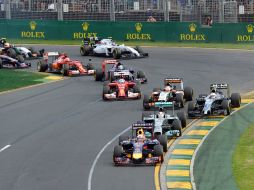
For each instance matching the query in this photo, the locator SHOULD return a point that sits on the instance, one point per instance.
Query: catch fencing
(204, 12)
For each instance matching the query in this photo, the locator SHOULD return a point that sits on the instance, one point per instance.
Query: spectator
(151, 19)
(209, 21)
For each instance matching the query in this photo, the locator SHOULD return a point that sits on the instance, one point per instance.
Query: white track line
(4, 148)
(98, 156)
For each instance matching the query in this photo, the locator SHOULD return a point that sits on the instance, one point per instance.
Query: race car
(173, 91)
(108, 48)
(117, 70)
(120, 90)
(60, 63)
(140, 148)
(218, 102)
(8, 62)
(14, 51)
(164, 123)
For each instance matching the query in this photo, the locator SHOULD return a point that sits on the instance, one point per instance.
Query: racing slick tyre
(122, 138)
(139, 49)
(1, 64)
(106, 90)
(20, 58)
(42, 66)
(179, 100)
(235, 100)
(177, 126)
(98, 75)
(158, 151)
(65, 70)
(188, 93)
(85, 50)
(116, 53)
(182, 117)
(118, 151)
(146, 105)
(163, 141)
(156, 89)
(12, 53)
(136, 89)
(141, 74)
(191, 107)
(225, 106)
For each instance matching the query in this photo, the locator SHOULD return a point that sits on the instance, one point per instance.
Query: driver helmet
(213, 90)
(140, 135)
(161, 114)
(120, 67)
(7, 45)
(121, 80)
(212, 95)
(167, 88)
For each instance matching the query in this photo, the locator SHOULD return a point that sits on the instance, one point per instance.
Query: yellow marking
(236, 109)
(183, 173)
(156, 177)
(245, 101)
(170, 142)
(208, 123)
(179, 185)
(53, 78)
(183, 151)
(197, 132)
(181, 162)
(215, 116)
(189, 141)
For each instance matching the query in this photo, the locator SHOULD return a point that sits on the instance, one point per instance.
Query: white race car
(108, 48)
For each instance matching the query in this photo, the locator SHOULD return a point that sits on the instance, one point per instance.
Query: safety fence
(126, 31)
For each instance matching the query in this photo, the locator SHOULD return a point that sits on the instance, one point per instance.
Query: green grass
(248, 46)
(12, 79)
(243, 160)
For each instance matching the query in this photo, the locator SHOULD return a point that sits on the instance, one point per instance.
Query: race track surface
(55, 131)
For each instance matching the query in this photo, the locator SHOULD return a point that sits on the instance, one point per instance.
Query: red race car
(120, 90)
(61, 63)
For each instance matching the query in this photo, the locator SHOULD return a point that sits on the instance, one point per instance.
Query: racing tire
(85, 50)
(116, 53)
(235, 100)
(225, 105)
(65, 70)
(179, 100)
(156, 89)
(158, 151)
(122, 138)
(177, 126)
(32, 50)
(20, 58)
(141, 74)
(118, 151)
(163, 141)
(191, 107)
(139, 49)
(106, 90)
(1, 64)
(182, 117)
(90, 66)
(98, 75)
(136, 89)
(146, 105)
(188, 93)
(42, 66)
(12, 53)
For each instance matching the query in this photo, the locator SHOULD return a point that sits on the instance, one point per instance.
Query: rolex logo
(138, 27)
(192, 27)
(85, 26)
(32, 25)
(249, 28)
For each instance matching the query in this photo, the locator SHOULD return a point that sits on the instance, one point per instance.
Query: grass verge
(243, 160)
(247, 46)
(12, 79)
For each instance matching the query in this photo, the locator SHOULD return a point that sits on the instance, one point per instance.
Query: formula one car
(116, 71)
(8, 62)
(120, 90)
(164, 123)
(218, 102)
(173, 92)
(61, 63)
(108, 48)
(141, 148)
(14, 52)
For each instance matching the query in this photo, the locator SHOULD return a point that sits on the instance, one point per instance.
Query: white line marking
(98, 156)
(4, 148)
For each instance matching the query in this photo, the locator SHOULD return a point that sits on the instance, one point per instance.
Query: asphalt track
(56, 131)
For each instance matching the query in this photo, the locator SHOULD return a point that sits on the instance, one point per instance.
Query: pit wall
(127, 31)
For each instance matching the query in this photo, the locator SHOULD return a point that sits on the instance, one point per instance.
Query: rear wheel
(65, 70)
(122, 138)
(158, 151)
(116, 53)
(12, 53)
(191, 107)
(42, 66)
(118, 151)
(179, 100)
(85, 50)
(146, 105)
(141, 74)
(20, 58)
(188, 93)
(177, 126)
(156, 89)
(182, 117)
(236, 100)
(163, 141)
(226, 107)
(98, 74)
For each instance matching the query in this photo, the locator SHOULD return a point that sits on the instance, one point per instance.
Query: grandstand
(220, 11)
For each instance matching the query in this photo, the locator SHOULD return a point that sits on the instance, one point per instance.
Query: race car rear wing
(219, 86)
(122, 73)
(136, 126)
(163, 104)
(171, 81)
